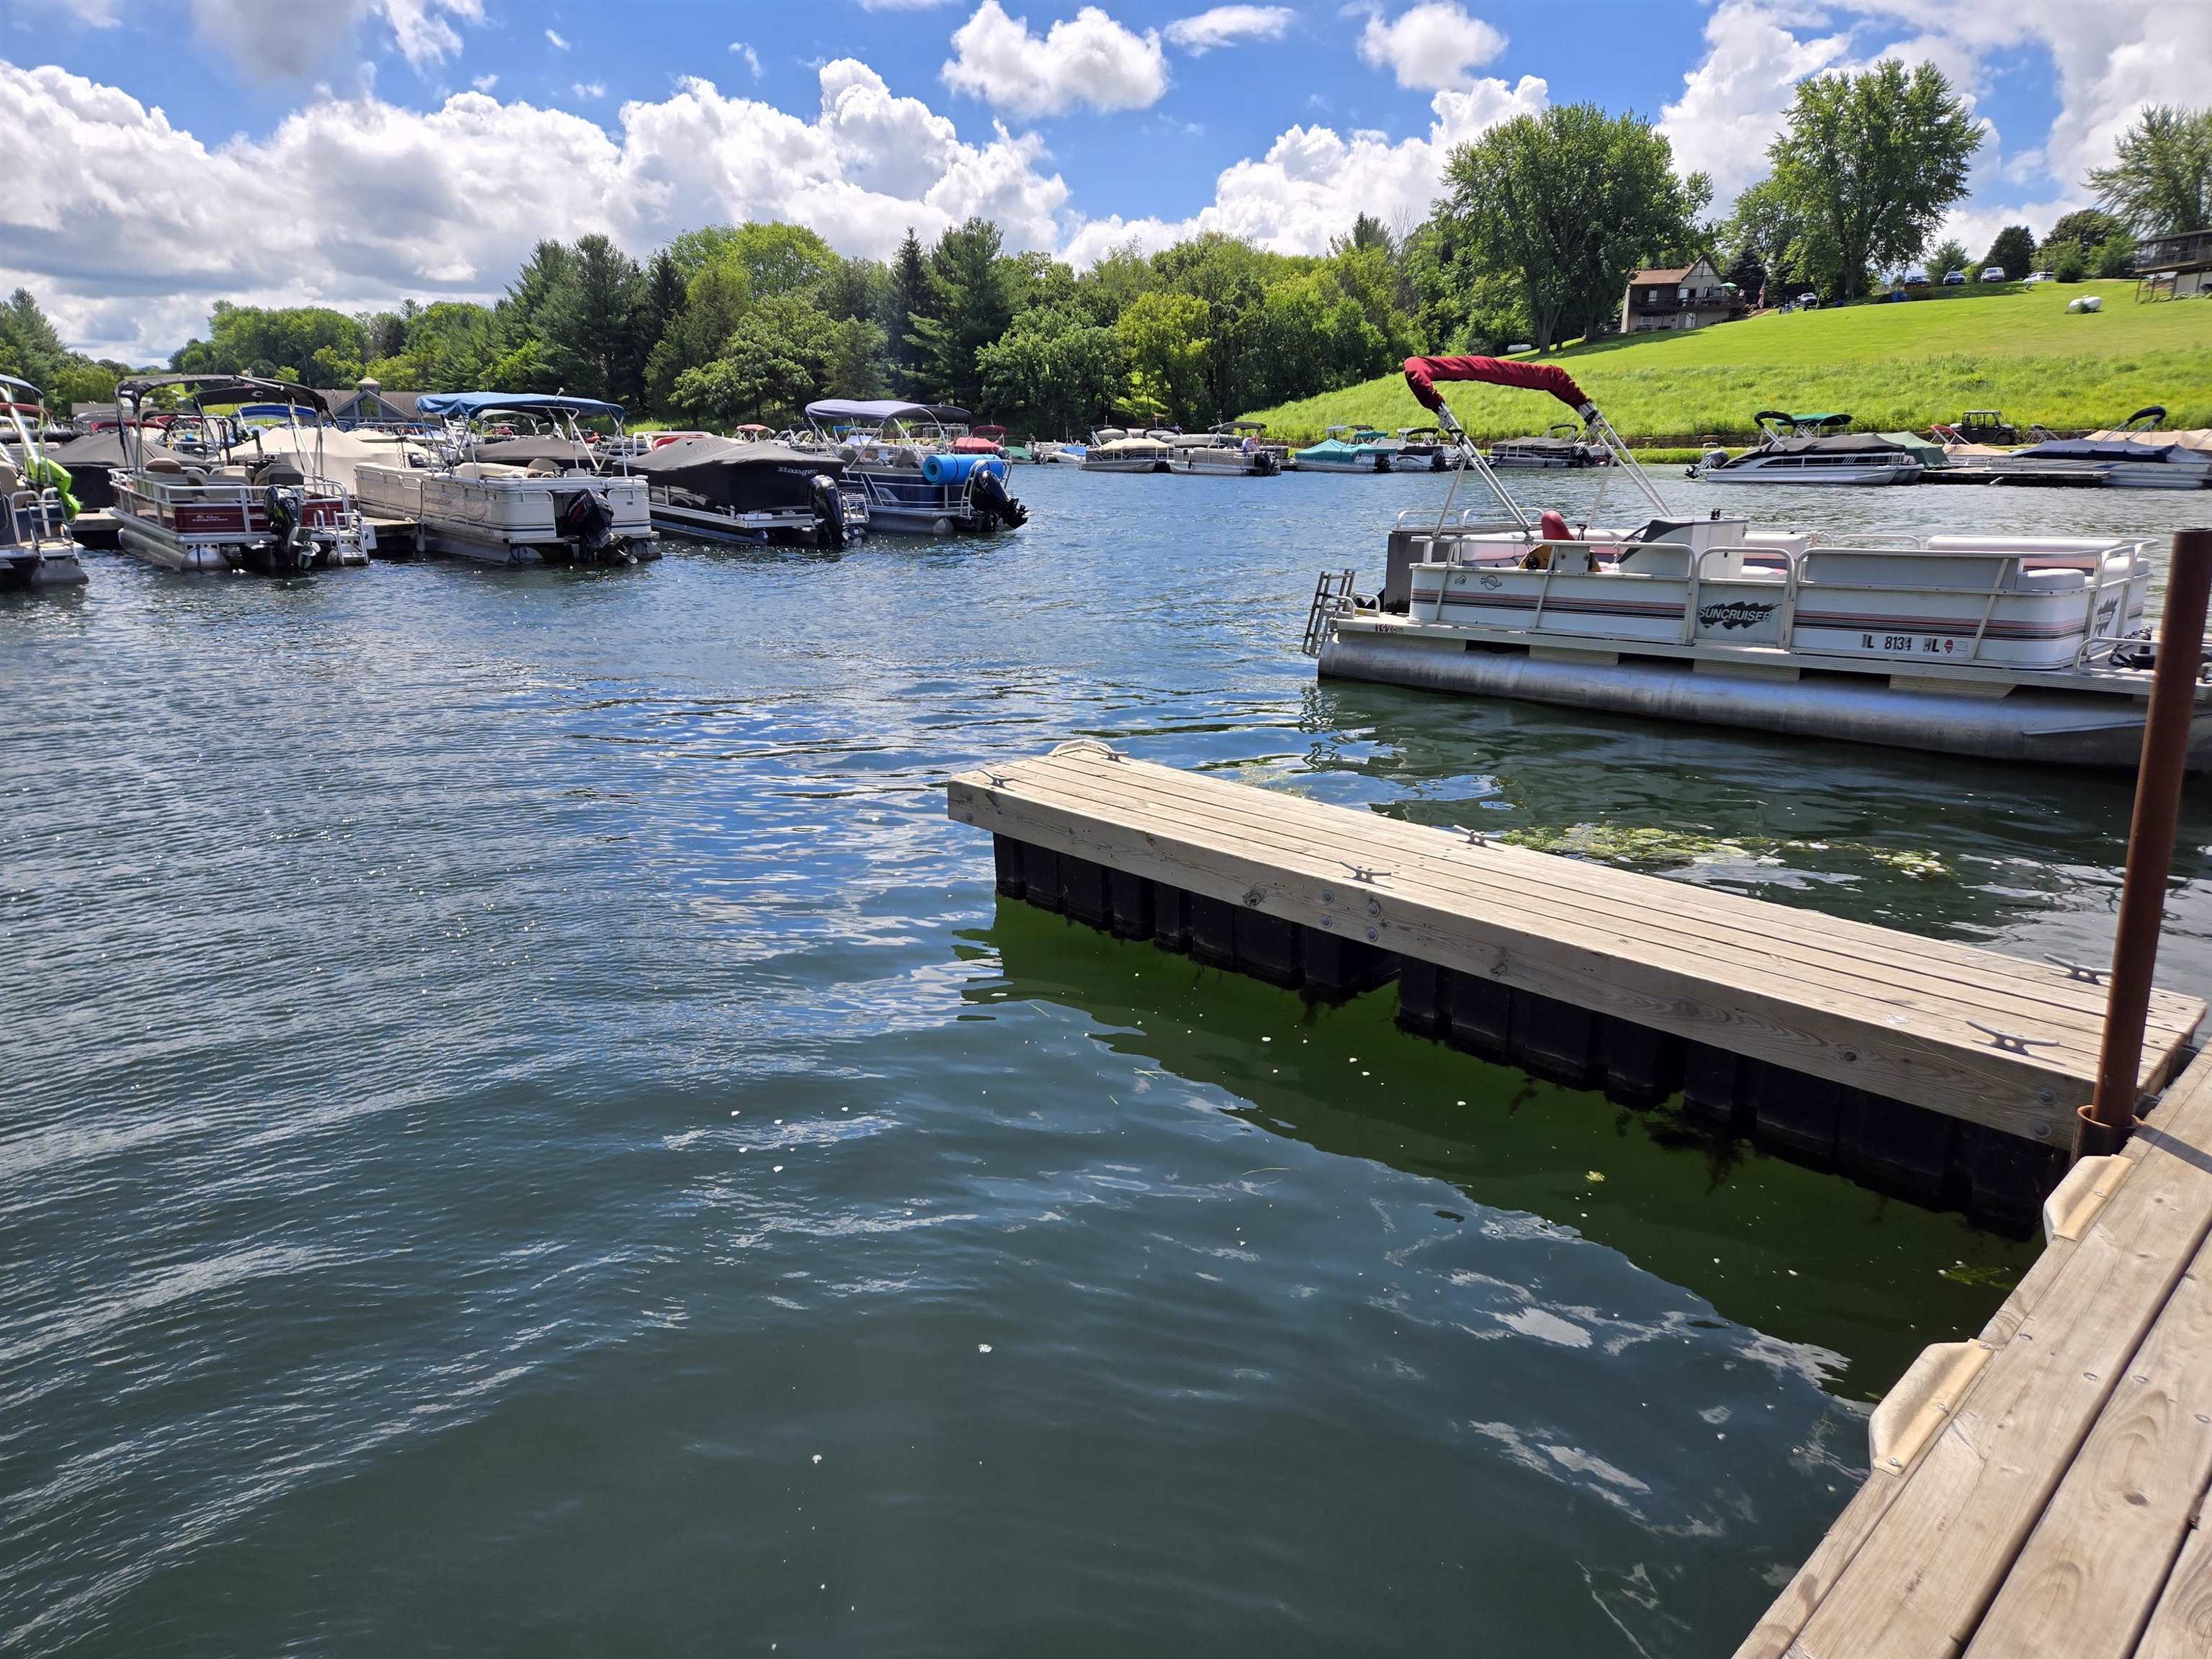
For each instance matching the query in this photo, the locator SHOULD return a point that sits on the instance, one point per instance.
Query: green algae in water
(1656, 848)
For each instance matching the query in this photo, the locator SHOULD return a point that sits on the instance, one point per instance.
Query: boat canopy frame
(236, 389)
(1422, 374)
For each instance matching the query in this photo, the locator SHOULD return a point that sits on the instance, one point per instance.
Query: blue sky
(447, 135)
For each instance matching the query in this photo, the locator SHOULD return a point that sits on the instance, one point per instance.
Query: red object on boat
(1552, 526)
(975, 446)
(1423, 372)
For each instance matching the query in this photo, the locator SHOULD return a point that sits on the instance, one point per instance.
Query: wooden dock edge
(2127, 1267)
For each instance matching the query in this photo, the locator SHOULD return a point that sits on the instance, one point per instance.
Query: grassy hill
(1889, 366)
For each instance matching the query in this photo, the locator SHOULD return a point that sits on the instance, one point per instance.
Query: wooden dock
(2041, 1490)
(1966, 1033)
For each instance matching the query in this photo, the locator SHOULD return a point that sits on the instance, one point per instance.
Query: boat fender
(829, 511)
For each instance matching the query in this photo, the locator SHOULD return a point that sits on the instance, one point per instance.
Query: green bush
(2117, 256)
(2066, 261)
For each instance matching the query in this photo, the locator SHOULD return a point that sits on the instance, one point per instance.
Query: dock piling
(2110, 1116)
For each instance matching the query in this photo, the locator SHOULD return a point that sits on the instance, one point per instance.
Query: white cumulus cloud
(1314, 181)
(292, 42)
(1089, 59)
(1732, 104)
(1436, 45)
(1223, 26)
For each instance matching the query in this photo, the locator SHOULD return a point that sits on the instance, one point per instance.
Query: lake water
(526, 1130)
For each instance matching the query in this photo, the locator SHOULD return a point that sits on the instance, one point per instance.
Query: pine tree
(908, 301)
(968, 310)
(590, 323)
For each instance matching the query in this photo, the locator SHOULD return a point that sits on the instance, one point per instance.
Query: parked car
(1916, 279)
(1954, 279)
(1993, 273)
(2038, 276)
(1808, 301)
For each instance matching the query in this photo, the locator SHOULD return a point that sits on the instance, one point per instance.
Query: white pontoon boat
(35, 548)
(2021, 649)
(1811, 449)
(1112, 449)
(523, 500)
(1220, 453)
(225, 508)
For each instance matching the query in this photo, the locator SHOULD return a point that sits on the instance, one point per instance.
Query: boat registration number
(1919, 645)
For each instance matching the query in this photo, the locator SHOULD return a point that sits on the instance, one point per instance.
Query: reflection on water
(506, 1069)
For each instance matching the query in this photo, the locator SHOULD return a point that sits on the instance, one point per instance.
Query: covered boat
(545, 501)
(2135, 455)
(723, 490)
(1349, 449)
(232, 507)
(1811, 449)
(35, 503)
(902, 456)
(2019, 649)
(1560, 446)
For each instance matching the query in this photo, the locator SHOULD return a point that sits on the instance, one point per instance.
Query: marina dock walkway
(1967, 1033)
(2041, 1490)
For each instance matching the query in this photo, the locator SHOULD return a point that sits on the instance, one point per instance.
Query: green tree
(714, 301)
(2115, 256)
(2086, 226)
(2159, 183)
(782, 259)
(907, 301)
(968, 309)
(1756, 239)
(2067, 261)
(1870, 163)
(1945, 257)
(589, 323)
(2014, 250)
(1165, 335)
(1111, 285)
(784, 352)
(302, 343)
(1053, 372)
(1572, 200)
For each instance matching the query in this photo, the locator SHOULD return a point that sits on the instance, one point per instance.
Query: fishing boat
(1113, 450)
(35, 548)
(723, 489)
(210, 508)
(1349, 449)
(1559, 446)
(902, 456)
(2133, 456)
(1219, 454)
(539, 498)
(2019, 648)
(1811, 449)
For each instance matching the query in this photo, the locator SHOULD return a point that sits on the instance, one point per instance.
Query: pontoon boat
(1559, 446)
(2021, 649)
(226, 509)
(1113, 450)
(1811, 449)
(530, 500)
(2136, 456)
(35, 548)
(1349, 449)
(902, 455)
(720, 489)
(1220, 454)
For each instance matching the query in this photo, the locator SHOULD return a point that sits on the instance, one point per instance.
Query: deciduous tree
(2159, 183)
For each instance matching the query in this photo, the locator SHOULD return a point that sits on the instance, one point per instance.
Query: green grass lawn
(1890, 366)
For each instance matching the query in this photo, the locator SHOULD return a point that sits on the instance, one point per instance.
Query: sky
(159, 155)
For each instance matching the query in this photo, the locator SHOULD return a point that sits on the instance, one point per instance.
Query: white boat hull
(508, 519)
(2044, 727)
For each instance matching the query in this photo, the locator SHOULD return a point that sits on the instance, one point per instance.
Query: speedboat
(725, 490)
(35, 505)
(1349, 449)
(221, 506)
(2021, 649)
(902, 456)
(1559, 446)
(1113, 450)
(529, 499)
(1811, 449)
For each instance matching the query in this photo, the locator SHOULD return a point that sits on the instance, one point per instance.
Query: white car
(2038, 276)
(1808, 301)
(1993, 273)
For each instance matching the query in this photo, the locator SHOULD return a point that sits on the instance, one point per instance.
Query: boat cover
(2092, 449)
(1926, 450)
(1540, 446)
(1846, 443)
(746, 477)
(564, 453)
(1423, 372)
(884, 409)
(469, 404)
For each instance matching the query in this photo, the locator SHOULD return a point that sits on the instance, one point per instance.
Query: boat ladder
(1332, 597)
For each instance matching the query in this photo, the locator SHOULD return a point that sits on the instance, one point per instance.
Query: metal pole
(2110, 1116)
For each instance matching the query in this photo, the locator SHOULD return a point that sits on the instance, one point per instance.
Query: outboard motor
(287, 513)
(989, 495)
(829, 502)
(585, 519)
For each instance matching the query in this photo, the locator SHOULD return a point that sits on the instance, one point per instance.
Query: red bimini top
(1423, 372)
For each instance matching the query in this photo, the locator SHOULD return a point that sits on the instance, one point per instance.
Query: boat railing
(1465, 518)
(36, 515)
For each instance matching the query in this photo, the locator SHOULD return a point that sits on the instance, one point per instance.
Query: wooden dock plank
(1583, 886)
(2181, 1625)
(1776, 997)
(2098, 1559)
(1918, 1586)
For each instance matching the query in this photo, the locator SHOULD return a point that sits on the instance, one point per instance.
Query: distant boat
(1810, 449)
(2133, 456)
(1222, 454)
(1349, 449)
(1114, 449)
(1559, 446)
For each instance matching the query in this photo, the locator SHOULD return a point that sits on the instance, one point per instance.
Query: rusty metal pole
(2110, 1116)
